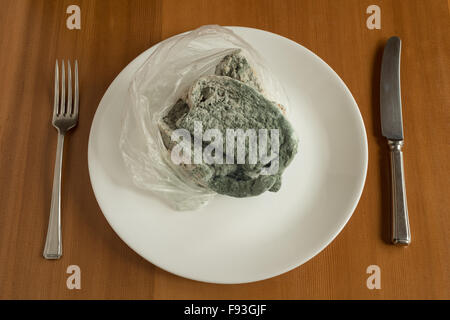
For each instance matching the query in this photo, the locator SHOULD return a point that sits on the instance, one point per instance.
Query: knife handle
(401, 234)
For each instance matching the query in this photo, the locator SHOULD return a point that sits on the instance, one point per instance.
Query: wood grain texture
(33, 34)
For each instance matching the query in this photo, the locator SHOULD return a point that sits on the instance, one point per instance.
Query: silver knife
(392, 129)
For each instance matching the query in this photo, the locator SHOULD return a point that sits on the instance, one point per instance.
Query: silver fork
(65, 117)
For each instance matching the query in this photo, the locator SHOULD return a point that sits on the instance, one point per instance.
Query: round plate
(242, 240)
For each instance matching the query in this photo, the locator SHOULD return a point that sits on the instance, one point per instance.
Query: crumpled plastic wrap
(165, 77)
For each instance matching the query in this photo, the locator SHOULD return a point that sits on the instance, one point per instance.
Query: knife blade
(392, 129)
(390, 93)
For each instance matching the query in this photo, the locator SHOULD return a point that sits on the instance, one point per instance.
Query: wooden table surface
(33, 34)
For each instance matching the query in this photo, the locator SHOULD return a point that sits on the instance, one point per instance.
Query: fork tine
(69, 89)
(63, 89)
(76, 98)
(56, 99)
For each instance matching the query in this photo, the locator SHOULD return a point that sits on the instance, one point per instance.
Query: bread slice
(220, 102)
(232, 98)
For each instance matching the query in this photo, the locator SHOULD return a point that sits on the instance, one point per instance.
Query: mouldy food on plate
(232, 99)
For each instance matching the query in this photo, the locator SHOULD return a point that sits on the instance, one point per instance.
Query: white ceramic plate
(243, 240)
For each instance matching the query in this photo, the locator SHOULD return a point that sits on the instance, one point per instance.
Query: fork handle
(401, 234)
(53, 244)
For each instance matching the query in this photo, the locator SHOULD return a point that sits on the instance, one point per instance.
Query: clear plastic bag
(165, 77)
